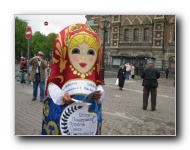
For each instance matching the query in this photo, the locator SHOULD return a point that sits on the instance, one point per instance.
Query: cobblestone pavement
(122, 110)
(123, 114)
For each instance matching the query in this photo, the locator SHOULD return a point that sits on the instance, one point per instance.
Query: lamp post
(104, 25)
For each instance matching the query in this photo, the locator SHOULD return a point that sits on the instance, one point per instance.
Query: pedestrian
(128, 69)
(132, 71)
(150, 83)
(37, 75)
(137, 69)
(49, 67)
(23, 69)
(23, 63)
(121, 76)
(166, 72)
(74, 92)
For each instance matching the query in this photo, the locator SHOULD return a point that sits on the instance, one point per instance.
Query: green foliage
(38, 41)
(49, 44)
(20, 39)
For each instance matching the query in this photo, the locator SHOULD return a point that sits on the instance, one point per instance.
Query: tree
(38, 41)
(20, 39)
(48, 45)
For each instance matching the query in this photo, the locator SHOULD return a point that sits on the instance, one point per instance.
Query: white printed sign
(79, 86)
(77, 120)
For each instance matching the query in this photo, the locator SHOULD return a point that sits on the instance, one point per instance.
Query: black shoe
(153, 109)
(144, 108)
(33, 99)
(42, 100)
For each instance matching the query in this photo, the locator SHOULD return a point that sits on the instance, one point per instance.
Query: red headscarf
(63, 69)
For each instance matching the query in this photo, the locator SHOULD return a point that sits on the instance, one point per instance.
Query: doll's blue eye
(75, 51)
(91, 52)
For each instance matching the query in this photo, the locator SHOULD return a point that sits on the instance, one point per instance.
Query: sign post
(28, 35)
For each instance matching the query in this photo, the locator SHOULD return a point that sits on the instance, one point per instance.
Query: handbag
(117, 82)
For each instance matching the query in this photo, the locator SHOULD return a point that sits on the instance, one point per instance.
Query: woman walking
(121, 76)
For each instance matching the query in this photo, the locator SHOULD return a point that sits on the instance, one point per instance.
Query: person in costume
(74, 93)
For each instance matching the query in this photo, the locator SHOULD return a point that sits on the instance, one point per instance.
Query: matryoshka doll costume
(76, 71)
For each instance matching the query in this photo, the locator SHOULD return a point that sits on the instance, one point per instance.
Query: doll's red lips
(82, 64)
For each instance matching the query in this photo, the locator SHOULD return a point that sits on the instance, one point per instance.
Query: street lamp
(104, 25)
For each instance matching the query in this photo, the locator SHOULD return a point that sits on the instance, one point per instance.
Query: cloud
(55, 22)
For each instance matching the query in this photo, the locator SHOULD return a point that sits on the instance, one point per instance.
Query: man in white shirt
(128, 69)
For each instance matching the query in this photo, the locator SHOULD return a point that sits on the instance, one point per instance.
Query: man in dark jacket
(150, 83)
(167, 72)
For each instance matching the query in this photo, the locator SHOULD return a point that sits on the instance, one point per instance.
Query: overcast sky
(55, 22)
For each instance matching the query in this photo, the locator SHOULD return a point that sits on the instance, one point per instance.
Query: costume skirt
(74, 119)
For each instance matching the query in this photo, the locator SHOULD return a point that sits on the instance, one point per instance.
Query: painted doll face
(83, 57)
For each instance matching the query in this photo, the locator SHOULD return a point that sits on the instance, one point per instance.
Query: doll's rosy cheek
(91, 59)
(75, 59)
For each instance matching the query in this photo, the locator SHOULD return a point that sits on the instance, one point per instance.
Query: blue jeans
(127, 75)
(35, 87)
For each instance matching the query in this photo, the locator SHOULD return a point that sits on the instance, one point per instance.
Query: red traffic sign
(45, 23)
(28, 32)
